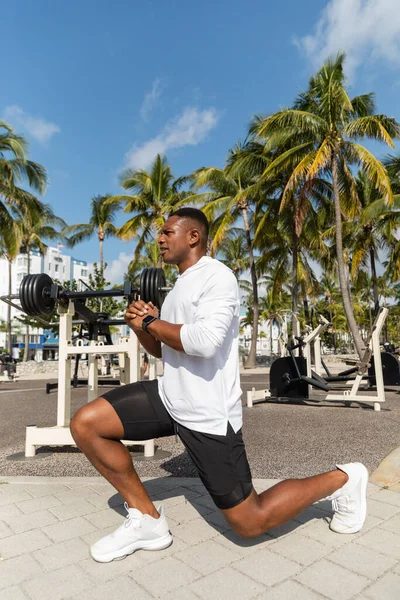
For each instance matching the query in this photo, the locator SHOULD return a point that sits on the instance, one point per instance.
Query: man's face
(175, 239)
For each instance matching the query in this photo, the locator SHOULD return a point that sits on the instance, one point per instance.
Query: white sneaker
(138, 532)
(349, 503)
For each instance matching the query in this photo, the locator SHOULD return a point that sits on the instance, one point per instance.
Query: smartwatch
(146, 322)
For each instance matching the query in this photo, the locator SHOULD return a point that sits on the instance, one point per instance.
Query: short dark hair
(196, 215)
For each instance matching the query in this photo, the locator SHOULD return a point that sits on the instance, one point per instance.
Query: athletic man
(199, 398)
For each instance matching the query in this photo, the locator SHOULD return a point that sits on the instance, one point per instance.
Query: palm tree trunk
(374, 280)
(251, 359)
(101, 255)
(348, 309)
(26, 349)
(295, 298)
(9, 307)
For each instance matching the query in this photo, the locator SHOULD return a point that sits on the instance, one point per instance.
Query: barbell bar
(38, 293)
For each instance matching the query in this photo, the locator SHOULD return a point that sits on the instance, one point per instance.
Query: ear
(194, 237)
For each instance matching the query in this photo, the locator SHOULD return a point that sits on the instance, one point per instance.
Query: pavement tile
(205, 500)
(12, 593)
(289, 590)
(208, 556)
(332, 580)
(16, 570)
(300, 548)
(319, 531)
(23, 543)
(181, 594)
(173, 495)
(10, 511)
(35, 504)
(383, 495)
(59, 584)
(226, 584)
(70, 496)
(105, 500)
(177, 546)
(13, 495)
(164, 576)
(386, 588)
(75, 509)
(195, 531)
(184, 512)
(67, 530)
(5, 531)
(36, 520)
(122, 587)
(316, 511)
(62, 554)
(103, 572)
(381, 509)
(362, 560)
(104, 518)
(38, 490)
(267, 567)
(382, 541)
(232, 540)
(285, 529)
(392, 524)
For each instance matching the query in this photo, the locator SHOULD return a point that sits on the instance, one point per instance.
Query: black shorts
(220, 459)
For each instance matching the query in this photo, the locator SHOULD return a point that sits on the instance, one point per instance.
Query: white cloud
(38, 128)
(368, 30)
(150, 101)
(116, 270)
(188, 129)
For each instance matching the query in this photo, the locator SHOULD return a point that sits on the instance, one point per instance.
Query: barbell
(38, 293)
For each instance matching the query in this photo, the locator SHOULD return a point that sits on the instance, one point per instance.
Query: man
(199, 398)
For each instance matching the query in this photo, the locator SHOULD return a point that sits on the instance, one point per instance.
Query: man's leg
(97, 431)
(282, 502)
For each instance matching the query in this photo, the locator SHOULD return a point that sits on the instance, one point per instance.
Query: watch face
(148, 319)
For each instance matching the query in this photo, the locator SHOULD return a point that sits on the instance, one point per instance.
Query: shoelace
(341, 504)
(131, 521)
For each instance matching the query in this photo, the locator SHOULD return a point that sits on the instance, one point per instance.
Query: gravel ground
(282, 440)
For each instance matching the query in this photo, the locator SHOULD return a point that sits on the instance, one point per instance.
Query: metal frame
(347, 396)
(127, 349)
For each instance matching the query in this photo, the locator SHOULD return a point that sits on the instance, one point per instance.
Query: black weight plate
(23, 294)
(152, 286)
(29, 296)
(284, 382)
(160, 283)
(390, 369)
(143, 285)
(40, 295)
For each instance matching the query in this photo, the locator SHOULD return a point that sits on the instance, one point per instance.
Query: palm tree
(10, 243)
(376, 230)
(100, 222)
(37, 222)
(317, 137)
(223, 205)
(234, 253)
(155, 194)
(15, 169)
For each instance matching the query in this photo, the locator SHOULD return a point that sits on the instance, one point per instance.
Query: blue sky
(97, 85)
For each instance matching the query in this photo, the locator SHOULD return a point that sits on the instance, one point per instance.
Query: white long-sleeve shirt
(200, 387)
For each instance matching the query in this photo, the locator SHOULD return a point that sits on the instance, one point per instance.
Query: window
(83, 272)
(56, 267)
(22, 261)
(20, 277)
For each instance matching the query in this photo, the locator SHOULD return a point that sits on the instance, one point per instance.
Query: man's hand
(137, 311)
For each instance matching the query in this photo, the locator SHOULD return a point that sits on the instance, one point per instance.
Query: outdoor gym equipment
(293, 378)
(38, 294)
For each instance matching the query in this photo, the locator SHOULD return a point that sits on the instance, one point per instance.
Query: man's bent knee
(246, 519)
(98, 418)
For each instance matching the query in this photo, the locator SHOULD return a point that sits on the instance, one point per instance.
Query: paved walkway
(47, 525)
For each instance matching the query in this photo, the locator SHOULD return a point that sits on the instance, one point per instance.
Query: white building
(56, 264)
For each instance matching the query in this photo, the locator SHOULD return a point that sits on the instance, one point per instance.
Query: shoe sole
(158, 544)
(363, 484)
